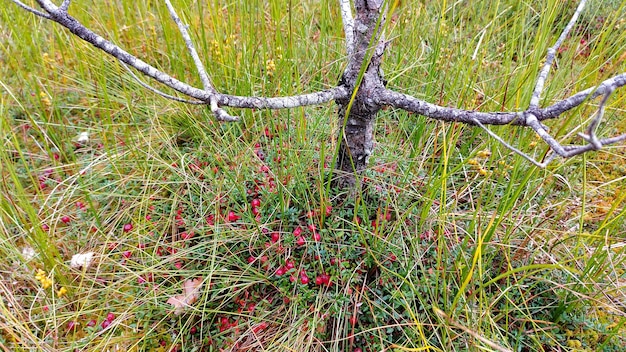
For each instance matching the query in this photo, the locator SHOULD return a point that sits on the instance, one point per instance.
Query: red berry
(65, 219)
(325, 278)
(297, 232)
(311, 227)
(127, 254)
(329, 210)
(128, 227)
(232, 217)
(317, 237)
(105, 324)
(178, 265)
(280, 271)
(256, 202)
(255, 211)
(72, 325)
(318, 280)
(92, 322)
(251, 259)
(187, 235)
(352, 320)
(300, 241)
(193, 330)
(304, 279)
(275, 237)
(45, 227)
(358, 349)
(290, 264)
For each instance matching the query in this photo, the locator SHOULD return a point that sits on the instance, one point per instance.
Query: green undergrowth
(453, 243)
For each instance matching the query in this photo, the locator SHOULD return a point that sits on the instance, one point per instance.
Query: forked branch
(368, 13)
(208, 95)
(533, 116)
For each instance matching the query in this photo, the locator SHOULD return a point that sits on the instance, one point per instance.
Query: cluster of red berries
(225, 324)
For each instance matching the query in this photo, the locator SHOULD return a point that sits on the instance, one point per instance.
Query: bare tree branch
(63, 18)
(412, 104)
(348, 25)
(558, 108)
(543, 75)
(533, 116)
(591, 130)
(30, 9)
(204, 77)
(317, 98)
(220, 114)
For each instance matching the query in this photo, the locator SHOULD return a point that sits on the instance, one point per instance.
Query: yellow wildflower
(484, 153)
(44, 99)
(270, 67)
(45, 281)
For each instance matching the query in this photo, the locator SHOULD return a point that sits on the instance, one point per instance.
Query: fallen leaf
(191, 292)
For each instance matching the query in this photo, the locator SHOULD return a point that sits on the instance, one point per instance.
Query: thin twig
(220, 113)
(558, 108)
(348, 25)
(543, 75)
(30, 9)
(65, 5)
(204, 77)
(517, 151)
(593, 125)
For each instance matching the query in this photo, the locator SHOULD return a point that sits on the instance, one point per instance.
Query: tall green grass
(461, 244)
